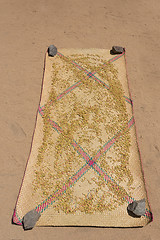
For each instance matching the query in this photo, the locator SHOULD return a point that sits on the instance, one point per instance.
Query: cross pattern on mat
(91, 162)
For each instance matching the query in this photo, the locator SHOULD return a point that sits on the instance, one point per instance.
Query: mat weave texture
(84, 167)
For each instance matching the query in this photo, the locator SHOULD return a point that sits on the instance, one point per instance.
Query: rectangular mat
(84, 167)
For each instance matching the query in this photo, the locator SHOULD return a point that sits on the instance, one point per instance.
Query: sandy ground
(27, 28)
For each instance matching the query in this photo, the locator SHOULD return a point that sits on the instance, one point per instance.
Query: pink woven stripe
(84, 155)
(86, 71)
(99, 170)
(111, 142)
(15, 218)
(117, 57)
(107, 178)
(108, 145)
(131, 122)
(40, 109)
(98, 80)
(128, 198)
(128, 100)
(55, 125)
(80, 67)
(63, 189)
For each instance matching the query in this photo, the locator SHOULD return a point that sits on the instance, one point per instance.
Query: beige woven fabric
(84, 167)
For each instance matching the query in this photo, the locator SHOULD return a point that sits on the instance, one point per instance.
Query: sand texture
(27, 28)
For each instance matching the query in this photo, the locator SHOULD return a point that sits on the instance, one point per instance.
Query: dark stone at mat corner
(138, 208)
(117, 50)
(52, 50)
(29, 220)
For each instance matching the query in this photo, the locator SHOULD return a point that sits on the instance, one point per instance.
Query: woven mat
(84, 167)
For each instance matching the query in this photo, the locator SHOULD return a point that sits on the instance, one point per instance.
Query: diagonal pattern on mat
(86, 106)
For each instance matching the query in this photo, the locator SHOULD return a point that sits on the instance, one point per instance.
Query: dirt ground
(27, 28)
